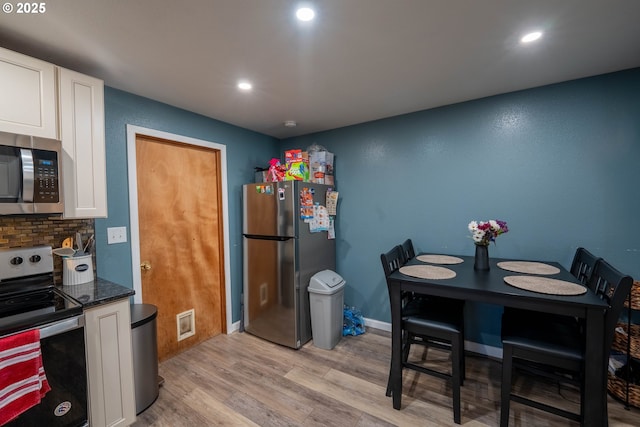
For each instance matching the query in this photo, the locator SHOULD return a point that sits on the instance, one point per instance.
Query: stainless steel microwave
(30, 175)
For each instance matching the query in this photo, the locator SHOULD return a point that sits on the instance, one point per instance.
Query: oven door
(10, 174)
(63, 357)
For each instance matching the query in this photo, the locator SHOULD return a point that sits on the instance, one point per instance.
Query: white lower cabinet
(110, 365)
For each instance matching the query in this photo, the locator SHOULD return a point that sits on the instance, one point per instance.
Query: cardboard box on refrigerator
(321, 166)
(297, 164)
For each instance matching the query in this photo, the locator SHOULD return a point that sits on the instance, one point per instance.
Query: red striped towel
(23, 382)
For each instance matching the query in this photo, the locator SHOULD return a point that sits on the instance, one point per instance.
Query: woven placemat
(440, 259)
(545, 285)
(428, 272)
(528, 267)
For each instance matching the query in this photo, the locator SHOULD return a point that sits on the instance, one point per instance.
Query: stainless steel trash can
(144, 343)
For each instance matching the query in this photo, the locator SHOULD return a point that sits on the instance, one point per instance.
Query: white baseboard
(235, 327)
(484, 350)
(474, 347)
(471, 346)
(376, 324)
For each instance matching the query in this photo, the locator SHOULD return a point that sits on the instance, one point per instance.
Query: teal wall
(559, 163)
(245, 149)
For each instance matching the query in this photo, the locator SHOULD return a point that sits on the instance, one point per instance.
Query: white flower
(484, 232)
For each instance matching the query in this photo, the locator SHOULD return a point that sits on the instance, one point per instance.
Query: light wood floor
(241, 380)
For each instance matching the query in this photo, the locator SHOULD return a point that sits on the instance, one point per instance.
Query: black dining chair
(456, 306)
(583, 264)
(556, 350)
(430, 323)
(407, 250)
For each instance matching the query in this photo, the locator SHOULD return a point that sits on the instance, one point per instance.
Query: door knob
(145, 265)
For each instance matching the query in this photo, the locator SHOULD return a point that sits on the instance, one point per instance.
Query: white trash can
(326, 302)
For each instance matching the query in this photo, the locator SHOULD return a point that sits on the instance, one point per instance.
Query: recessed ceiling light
(244, 86)
(531, 37)
(290, 123)
(305, 14)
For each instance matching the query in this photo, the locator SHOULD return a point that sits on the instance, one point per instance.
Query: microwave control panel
(46, 177)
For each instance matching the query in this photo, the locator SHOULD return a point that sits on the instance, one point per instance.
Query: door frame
(132, 133)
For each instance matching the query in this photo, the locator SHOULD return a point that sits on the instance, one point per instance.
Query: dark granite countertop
(97, 292)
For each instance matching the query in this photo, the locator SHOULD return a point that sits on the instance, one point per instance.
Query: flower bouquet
(484, 232)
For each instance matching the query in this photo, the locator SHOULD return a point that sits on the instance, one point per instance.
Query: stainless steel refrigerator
(280, 256)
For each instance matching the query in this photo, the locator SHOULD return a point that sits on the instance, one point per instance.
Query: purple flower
(483, 232)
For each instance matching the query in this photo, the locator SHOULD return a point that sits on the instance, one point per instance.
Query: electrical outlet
(116, 235)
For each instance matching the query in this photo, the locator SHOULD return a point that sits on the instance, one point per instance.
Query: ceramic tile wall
(33, 230)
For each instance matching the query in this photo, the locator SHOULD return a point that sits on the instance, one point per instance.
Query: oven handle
(62, 326)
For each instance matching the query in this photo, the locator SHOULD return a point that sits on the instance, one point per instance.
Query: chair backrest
(392, 260)
(582, 265)
(613, 287)
(407, 250)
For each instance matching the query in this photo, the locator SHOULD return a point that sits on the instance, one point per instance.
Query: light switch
(116, 235)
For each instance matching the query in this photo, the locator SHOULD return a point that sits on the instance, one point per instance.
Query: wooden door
(181, 239)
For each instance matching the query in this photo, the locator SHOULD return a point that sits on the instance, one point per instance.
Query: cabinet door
(28, 100)
(82, 134)
(110, 365)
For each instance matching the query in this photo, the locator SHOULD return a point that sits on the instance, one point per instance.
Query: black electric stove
(28, 296)
(29, 300)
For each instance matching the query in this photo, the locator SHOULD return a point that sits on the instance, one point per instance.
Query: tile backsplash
(19, 231)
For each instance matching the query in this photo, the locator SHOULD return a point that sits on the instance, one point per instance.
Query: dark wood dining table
(490, 287)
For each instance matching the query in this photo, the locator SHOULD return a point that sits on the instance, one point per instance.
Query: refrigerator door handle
(259, 237)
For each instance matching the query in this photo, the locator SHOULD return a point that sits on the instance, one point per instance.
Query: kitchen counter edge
(97, 292)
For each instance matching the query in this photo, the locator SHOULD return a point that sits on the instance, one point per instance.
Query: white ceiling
(359, 60)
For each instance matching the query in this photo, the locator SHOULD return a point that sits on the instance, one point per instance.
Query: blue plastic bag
(353, 322)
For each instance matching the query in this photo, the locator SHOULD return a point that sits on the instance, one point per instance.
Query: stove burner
(21, 311)
(26, 302)
(25, 311)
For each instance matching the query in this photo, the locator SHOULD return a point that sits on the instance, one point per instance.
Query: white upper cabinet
(81, 109)
(31, 103)
(28, 95)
